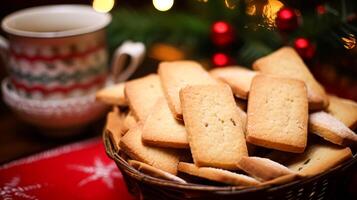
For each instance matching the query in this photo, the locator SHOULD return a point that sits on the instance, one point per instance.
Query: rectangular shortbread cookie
(287, 63)
(331, 129)
(213, 125)
(344, 110)
(177, 75)
(142, 94)
(113, 95)
(162, 129)
(164, 159)
(155, 172)
(318, 158)
(263, 168)
(278, 113)
(219, 175)
(238, 78)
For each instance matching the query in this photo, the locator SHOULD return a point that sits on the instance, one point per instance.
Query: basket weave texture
(323, 186)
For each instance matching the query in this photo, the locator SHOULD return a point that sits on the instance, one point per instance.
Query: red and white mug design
(59, 51)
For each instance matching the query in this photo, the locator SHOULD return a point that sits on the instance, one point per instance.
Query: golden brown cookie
(282, 179)
(112, 95)
(263, 168)
(238, 78)
(164, 159)
(155, 172)
(129, 122)
(318, 158)
(287, 63)
(114, 127)
(344, 110)
(214, 127)
(277, 113)
(142, 94)
(331, 129)
(162, 129)
(219, 175)
(177, 75)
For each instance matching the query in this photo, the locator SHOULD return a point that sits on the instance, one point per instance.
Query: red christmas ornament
(220, 59)
(320, 9)
(222, 33)
(304, 47)
(286, 19)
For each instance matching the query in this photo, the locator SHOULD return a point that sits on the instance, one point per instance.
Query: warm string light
(270, 11)
(349, 42)
(103, 6)
(163, 5)
(231, 4)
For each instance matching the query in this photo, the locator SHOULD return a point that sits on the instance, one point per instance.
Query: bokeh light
(349, 42)
(270, 10)
(220, 59)
(103, 6)
(163, 5)
(220, 27)
(231, 4)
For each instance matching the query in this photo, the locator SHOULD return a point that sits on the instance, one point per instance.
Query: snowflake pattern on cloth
(98, 171)
(12, 189)
(76, 171)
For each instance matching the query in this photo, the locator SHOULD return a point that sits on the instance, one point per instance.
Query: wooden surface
(18, 139)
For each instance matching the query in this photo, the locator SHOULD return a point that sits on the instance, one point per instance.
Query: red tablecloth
(77, 171)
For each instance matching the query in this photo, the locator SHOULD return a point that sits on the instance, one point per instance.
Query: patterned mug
(59, 51)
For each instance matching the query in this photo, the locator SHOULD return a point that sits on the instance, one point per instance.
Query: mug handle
(4, 50)
(136, 52)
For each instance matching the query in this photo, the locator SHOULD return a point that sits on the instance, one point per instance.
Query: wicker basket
(142, 186)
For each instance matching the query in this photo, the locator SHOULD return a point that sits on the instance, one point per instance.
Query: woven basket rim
(134, 173)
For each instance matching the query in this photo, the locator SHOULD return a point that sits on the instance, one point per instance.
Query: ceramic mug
(59, 51)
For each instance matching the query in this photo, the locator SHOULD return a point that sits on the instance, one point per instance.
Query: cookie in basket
(142, 94)
(161, 158)
(278, 113)
(282, 179)
(214, 127)
(155, 172)
(262, 168)
(179, 74)
(162, 129)
(129, 122)
(238, 78)
(112, 95)
(114, 127)
(287, 63)
(344, 110)
(331, 129)
(218, 175)
(318, 158)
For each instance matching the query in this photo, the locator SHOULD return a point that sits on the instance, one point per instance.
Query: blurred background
(216, 33)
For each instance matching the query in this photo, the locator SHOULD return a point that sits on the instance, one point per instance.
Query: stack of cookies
(231, 125)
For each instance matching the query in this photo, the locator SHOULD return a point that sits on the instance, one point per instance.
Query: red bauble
(222, 33)
(220, 59)
(321, 9)
(286, 19)
(304, 47)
